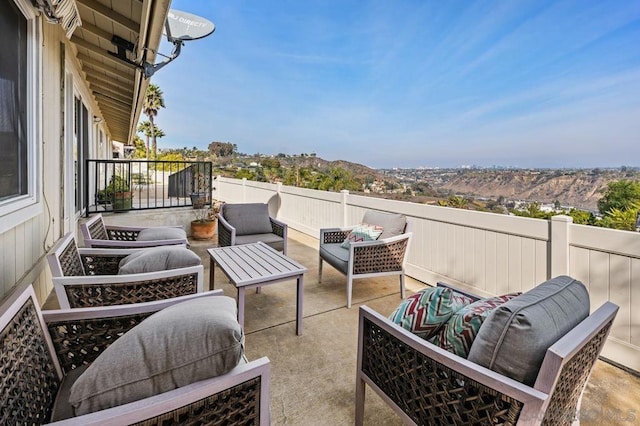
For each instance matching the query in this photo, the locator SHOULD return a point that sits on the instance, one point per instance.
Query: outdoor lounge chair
(249, 223)
(98, 235)
(43, 352)
(364, 259)
(425, 384)
(88, 277)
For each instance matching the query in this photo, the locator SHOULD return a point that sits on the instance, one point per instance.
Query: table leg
(241, 306)
(211, 273)
(299, 305)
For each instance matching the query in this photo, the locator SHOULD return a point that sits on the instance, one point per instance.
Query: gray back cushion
(252, 218)
(514, 338)
(161, 233)
(158, 259)
(180, 345)
(393, 224)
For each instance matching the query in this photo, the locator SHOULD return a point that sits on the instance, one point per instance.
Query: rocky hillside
(578, 188)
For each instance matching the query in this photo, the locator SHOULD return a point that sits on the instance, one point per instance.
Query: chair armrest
(244, 390)
(334, 235)
(279, 228)
(103, 290)
(80, 335)
(472, 296)
(226, 232)
(435, 377)
(389, 254)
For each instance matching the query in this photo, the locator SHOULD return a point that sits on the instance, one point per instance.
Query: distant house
(64, 98)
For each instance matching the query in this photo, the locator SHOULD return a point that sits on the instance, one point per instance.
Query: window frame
(19, 209)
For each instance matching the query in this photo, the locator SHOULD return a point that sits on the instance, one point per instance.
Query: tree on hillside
(223, 149)
(620, 195)
(153, 101)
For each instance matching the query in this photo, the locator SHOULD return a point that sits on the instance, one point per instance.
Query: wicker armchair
(39, 349)
(249, 223)
(98, 235)
(88, 277)
(425, 384)
(385, 256)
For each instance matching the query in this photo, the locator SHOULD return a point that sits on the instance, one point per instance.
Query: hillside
(577, 188)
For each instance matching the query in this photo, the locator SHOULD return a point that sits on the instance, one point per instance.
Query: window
(18, 113)
(13, 96)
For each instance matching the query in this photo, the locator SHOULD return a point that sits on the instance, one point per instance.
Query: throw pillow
(362, 232)
(177, 346)
(426, 311)
(158, 259)
(458, 333)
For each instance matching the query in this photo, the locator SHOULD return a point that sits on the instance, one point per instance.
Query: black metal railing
(123, 185)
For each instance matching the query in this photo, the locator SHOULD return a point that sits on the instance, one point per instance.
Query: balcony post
(560, 228)
(343, 205)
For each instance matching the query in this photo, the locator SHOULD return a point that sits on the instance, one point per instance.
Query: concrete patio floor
(313, 375)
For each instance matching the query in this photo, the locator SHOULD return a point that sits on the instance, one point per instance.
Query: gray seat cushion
(514, 338)
(158, 259)
(273, 240)
(180, 345)
(252, 218)
(161, 233)
(336, 256)
(392, 224)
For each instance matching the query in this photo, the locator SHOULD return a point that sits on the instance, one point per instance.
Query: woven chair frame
(70, 261)
(29, 400)
(334, 237)
(96, 264)
(566, 395)
(238, 405)
(379, 258)
(428, 391)
(98, 231)
(111, 294)
(79, 342)
(224, 236)
(277, 228)
(122, 235)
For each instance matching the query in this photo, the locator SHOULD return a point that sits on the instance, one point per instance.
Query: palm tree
(146, 129)
(153, 101)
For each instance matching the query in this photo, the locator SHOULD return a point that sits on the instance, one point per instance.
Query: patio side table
(256, 265)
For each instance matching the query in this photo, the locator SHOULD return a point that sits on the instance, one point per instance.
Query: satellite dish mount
(179, 27)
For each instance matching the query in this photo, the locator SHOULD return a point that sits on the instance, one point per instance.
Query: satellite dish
(185, 26)
(178, 28)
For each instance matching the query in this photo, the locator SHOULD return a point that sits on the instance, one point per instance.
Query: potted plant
(118, 192)
(204, 225)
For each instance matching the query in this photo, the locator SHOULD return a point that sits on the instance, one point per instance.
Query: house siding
(23, 247)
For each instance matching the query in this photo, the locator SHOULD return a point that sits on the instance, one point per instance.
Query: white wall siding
(24, 246)
(486, 253)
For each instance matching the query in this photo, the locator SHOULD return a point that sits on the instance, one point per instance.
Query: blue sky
(412, 83)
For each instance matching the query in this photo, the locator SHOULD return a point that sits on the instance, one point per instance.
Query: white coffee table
(256, 265)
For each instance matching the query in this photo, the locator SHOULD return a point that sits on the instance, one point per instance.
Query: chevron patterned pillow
(426, 311)
(362, 232)
(458, 333)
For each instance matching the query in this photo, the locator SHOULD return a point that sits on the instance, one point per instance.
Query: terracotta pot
(202, 230)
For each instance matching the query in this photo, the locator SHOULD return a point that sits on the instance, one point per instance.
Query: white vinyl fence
(485, 253)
